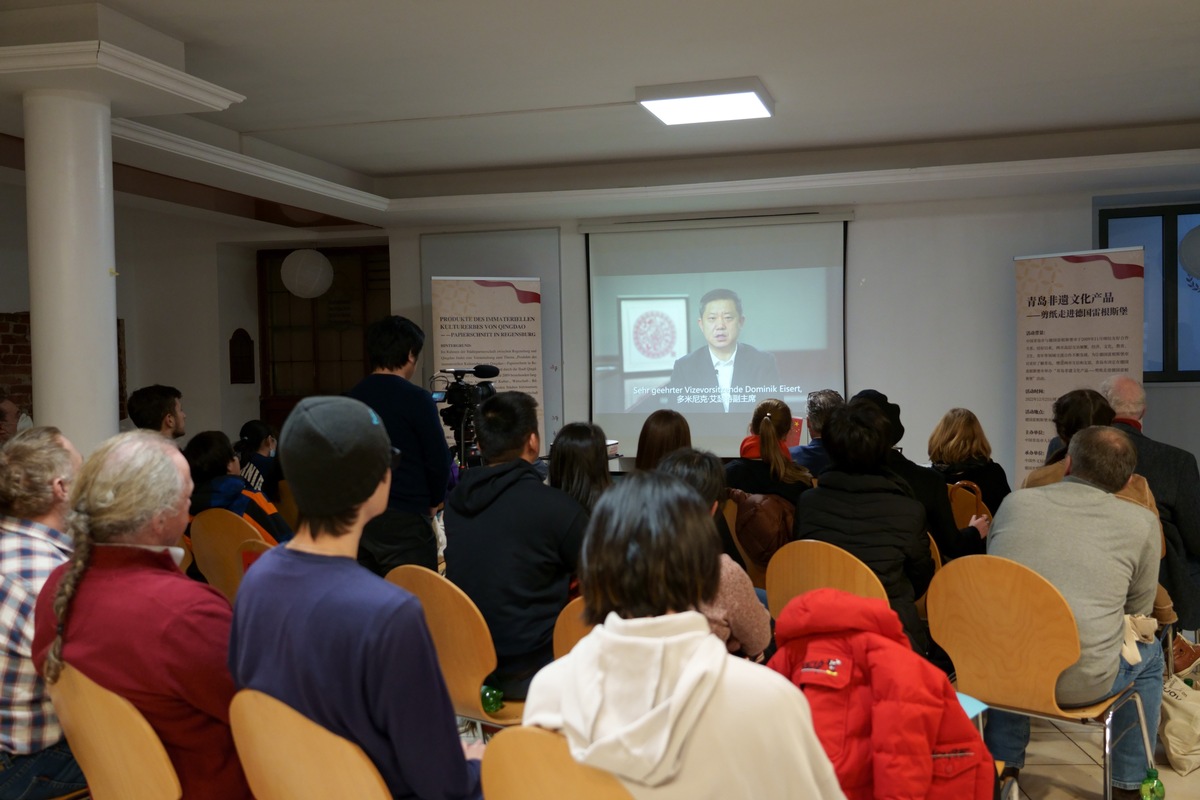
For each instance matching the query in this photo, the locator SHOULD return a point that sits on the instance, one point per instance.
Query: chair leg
(1107, 755)
(1141, 712)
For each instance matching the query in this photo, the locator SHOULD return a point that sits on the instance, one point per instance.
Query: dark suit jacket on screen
(751, 368)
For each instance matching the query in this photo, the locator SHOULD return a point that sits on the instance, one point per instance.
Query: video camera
(463, 401)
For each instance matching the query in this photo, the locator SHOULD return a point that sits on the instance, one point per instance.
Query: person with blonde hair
(765, 466)
(960, 451)
(37, 467)
(121, 612)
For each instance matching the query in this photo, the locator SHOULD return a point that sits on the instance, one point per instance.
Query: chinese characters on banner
(1079, 320)
(495, 321)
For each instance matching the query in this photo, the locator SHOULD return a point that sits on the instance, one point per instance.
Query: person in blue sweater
(345, 648)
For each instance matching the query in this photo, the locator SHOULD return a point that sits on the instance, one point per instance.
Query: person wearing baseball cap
(331, 639)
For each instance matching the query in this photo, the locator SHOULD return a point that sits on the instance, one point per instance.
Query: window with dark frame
(1171, 350)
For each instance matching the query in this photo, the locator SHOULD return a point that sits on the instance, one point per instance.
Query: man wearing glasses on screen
(724, 375)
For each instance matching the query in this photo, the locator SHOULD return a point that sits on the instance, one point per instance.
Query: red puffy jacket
(889, 720)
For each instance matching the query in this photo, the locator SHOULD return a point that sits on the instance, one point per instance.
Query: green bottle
(1152, 787)
(492, 699)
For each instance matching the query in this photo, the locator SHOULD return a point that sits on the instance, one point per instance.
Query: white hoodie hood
(634, 692)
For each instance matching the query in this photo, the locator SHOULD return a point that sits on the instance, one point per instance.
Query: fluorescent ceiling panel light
(707, 101)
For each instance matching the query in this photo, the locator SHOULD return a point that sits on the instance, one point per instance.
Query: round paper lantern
(1189, 252)
(306, 273)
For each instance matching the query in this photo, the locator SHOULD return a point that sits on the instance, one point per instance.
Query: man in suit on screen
(725, 374)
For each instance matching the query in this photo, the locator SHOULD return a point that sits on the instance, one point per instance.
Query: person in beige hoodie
(651, 695)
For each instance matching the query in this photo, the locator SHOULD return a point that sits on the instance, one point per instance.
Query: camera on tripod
(463, 401)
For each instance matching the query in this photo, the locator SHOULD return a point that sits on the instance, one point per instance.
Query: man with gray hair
(1174, 479)
(1102, 553)
(37, 468)
(813, 455)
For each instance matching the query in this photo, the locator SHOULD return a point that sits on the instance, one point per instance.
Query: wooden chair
(526, 763)
(287, 505)
(188, 558)
(802, 566)
(119, 753)
(1010, 634)
(250, 550)
(216, 536)
(936, 555)
(569, 628)
(758, 575)
(287, 756)
(966, 500)
(464, 643)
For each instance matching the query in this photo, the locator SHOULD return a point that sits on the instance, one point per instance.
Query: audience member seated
(812, 456)
(736, 615)
(37, 468)
(663, 432)
(158, 408)
(325, 635)
(1175, 480)
(122, 613)
(219, 484)
(858, 507)
(889, 720)
(650, 695)
(960, 451)
(1073, 412)
(1102, 554)
(10, 415)
(512, 543)
(928, 487)
(764, 466)
(579, 462)
(256, 451)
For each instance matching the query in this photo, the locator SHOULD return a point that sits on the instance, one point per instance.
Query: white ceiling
(449, 108)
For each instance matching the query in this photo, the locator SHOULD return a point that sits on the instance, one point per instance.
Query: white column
(72, 275)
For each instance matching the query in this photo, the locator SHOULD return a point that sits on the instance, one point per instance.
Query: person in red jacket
(888, 719)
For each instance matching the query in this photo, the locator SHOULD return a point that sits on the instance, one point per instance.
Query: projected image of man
(725, 374)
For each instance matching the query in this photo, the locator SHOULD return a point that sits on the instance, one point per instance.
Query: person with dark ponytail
(255, 449)
(122, 613)
(765, 466)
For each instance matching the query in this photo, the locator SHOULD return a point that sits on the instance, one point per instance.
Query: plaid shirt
(28, 554)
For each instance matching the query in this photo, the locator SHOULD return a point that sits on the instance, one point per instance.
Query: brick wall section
(16, 360)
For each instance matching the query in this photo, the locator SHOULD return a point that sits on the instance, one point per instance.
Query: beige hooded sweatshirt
(659, 703)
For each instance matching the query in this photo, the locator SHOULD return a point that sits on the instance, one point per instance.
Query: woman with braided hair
(122, 613)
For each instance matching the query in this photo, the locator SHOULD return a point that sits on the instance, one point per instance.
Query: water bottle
(493, 699)
(1152, 788)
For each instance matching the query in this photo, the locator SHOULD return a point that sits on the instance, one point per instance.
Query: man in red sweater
(133, 622)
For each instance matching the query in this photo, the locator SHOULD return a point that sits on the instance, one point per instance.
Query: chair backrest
(287, 505)
(119, 753)
(1009, 632)
(569, 628)
(757, 573)
(287, 756)
(250, 550)
(462, 639)
(216, 536)
(525, 763)
(802, 566)
(966, 501)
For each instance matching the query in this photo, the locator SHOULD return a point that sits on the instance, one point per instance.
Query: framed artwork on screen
(653, 332)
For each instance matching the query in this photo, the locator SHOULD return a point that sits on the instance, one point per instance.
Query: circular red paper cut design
(654, 334)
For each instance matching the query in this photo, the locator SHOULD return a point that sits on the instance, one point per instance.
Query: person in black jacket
(929, 487)
(512, 542)
(859, 508)
(960, 451)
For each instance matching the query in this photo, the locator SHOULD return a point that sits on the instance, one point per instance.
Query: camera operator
(403, 534)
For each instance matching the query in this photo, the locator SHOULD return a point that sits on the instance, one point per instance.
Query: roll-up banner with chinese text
(496, 321)
(1079, 320)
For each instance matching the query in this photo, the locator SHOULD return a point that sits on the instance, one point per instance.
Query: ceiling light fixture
(707, 101)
